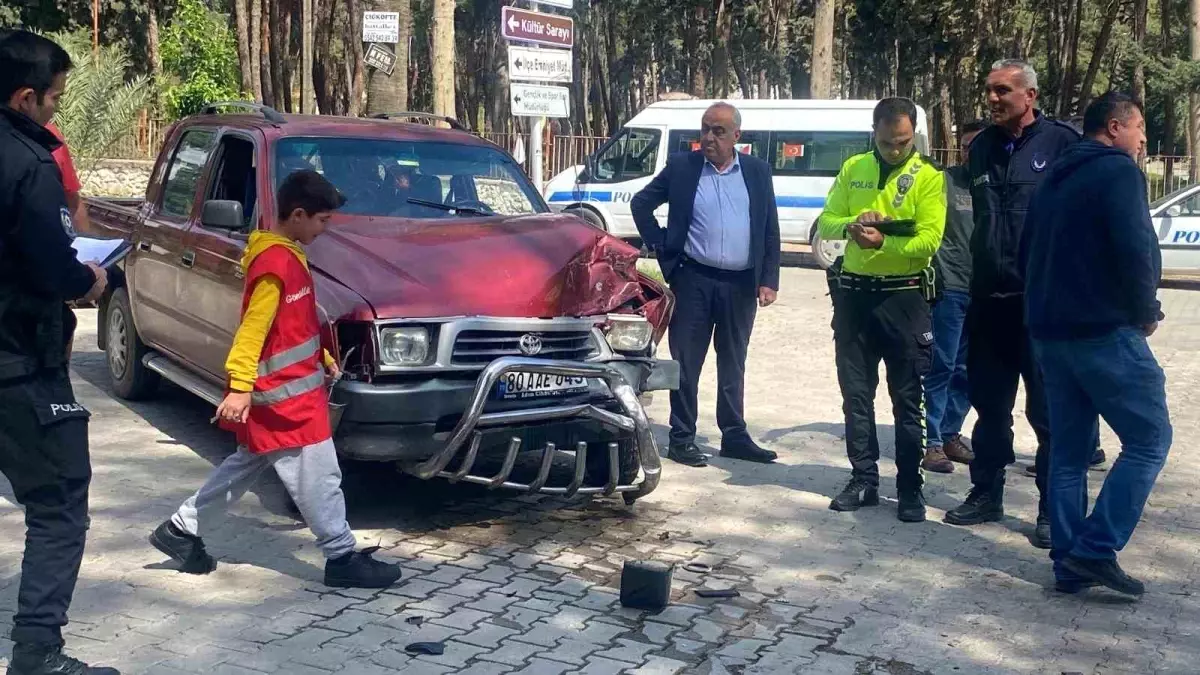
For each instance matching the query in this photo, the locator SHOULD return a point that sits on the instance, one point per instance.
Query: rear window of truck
(379, 178)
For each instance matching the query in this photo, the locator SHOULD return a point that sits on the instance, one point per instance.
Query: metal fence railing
(1164, 174)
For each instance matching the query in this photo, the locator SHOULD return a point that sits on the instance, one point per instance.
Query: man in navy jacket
(1092, 268)
(720, 255)
(1008, 161)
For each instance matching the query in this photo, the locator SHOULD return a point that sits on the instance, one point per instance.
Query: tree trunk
(1101, 46)
(1194, 99)
(390, 93)
(822, 51)
(281, 53)
(1066, 92)
(693, 39)
(1170, 124)
(242, 21)
(357, 79)
(267, 54)
(443, 57)
(1140, 12)
(256, 48)
(722, 30)
(152, 48)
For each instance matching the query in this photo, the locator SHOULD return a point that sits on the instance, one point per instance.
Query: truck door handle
(144, 246)
(188, 258)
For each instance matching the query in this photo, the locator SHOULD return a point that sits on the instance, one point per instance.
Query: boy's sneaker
(186, 549)
(49, 660)
(358, 569)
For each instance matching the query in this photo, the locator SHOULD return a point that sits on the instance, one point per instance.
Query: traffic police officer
(881, 293)
(43, 429)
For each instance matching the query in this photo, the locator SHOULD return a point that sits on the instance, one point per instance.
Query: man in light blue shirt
(720, 254)
(720, 233)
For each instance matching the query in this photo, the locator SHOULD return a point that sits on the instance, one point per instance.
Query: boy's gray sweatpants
(312, 477)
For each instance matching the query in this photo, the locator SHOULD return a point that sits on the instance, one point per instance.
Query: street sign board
(565, 4)
(380, 58)
(539, 65)
(544, 29)
(533, 100)
(381, 27)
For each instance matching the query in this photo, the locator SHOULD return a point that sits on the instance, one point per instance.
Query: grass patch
(650, 268)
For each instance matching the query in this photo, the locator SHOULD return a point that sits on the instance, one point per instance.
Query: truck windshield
(403, 179)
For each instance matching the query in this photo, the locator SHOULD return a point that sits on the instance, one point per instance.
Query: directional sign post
(539, 65)
(543, 29)
(538, 101)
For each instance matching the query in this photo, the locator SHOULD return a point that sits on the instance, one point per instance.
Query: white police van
(804, 142)
(1176, 217)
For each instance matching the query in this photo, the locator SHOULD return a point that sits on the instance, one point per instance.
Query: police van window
(752, 142)
(631, 154)
(179, 189)
(814, 153)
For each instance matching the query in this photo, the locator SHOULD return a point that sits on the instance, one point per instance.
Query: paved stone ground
(527, 585)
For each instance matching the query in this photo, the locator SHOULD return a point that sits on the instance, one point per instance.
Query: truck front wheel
(131, 380)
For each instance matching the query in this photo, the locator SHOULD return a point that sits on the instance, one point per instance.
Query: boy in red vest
(278, 402)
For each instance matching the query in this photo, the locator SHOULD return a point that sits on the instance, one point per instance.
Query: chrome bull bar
(467, 433)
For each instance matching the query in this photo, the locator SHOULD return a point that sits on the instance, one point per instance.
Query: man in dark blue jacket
(1092, 268)
(1008, 160)
(720, 254)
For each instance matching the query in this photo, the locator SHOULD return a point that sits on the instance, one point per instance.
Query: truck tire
(825, 252)
(131, 380)
(597, 463)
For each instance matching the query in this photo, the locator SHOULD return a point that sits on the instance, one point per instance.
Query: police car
(1176, 218)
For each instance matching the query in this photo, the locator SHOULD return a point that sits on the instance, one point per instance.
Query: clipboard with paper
(103, 252)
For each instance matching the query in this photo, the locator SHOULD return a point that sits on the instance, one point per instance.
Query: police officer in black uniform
(43, 429)
(1008, 161)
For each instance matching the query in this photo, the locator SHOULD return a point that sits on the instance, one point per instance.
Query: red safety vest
(289, 405)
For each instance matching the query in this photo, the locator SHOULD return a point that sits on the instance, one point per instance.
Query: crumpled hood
(528, 266)
(1086, 155)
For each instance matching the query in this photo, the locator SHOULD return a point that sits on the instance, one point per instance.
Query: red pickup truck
(483, 337)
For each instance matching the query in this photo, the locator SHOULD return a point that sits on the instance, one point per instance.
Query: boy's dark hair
(1111, 106)
(29, 61)
(971, 127)
(308, 190)
(890, 108)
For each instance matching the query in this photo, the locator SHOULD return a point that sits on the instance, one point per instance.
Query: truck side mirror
(1175, 210)
(223, 214)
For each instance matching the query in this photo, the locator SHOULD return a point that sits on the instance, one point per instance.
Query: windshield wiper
(449, 207)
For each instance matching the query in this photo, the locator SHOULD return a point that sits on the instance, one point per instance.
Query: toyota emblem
(530, 344)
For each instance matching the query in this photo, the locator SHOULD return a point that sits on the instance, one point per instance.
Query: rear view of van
(804, 142)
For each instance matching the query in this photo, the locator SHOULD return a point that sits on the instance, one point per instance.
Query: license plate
(538, 385)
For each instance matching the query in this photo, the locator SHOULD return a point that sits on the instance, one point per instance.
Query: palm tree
(100, 106)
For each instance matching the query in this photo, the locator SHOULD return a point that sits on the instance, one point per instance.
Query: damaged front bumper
(464, 441)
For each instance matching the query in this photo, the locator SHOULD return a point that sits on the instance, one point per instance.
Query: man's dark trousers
(711, 306)
(892, 326)
(1114, 376)
(1000, 356)
(44, 455)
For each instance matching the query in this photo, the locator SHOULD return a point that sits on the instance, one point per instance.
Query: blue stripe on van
(580, 196)
(796, 202)
(784, 201)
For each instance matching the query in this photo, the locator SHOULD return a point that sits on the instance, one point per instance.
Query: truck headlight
(626, 333)
(403, 346)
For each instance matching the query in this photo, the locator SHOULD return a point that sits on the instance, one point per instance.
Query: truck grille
(481, 347)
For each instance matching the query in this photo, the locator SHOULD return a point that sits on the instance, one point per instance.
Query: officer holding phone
(890, 206)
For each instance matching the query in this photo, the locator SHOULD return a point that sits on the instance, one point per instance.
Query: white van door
(623, 165)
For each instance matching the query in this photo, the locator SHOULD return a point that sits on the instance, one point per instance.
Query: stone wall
(116, 178)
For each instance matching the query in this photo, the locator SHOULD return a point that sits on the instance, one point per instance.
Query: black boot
(49, 660)
(1041, 534)
(1105, 572)
(186, 549)
(687, 454)
(912, 506)
(983, 505)
(358, 569)
(857, 493)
